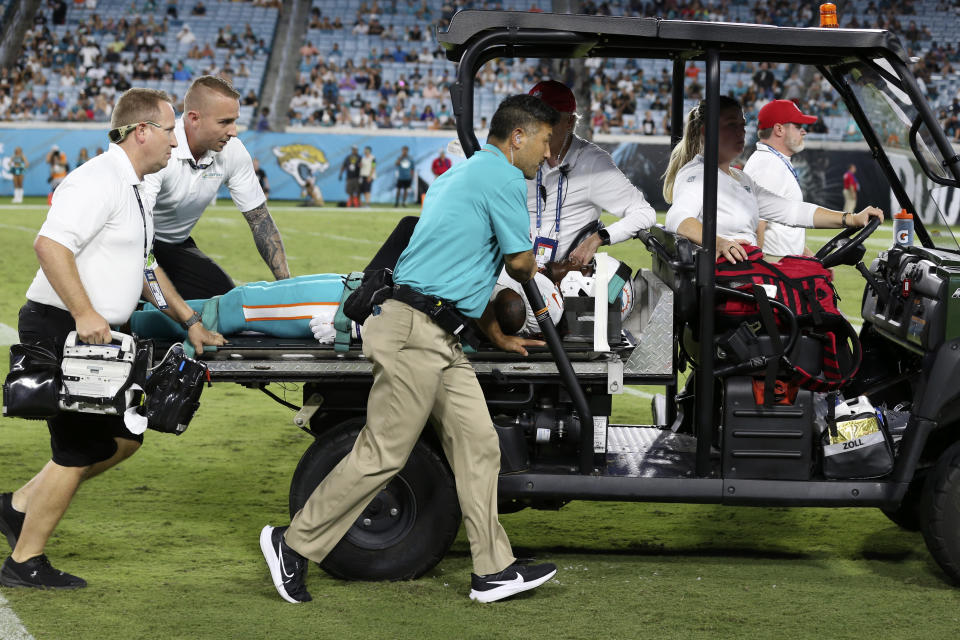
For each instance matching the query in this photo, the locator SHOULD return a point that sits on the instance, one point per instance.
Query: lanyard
(782, 157)
(540, 205)
(143, 216)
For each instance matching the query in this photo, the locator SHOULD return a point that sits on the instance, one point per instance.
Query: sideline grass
(168, 540)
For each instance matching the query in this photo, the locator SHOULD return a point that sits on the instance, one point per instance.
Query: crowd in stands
(75, 60)
(376, 63)
(392, 78)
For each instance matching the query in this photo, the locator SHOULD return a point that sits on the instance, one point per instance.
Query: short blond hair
(138, 105)
(193, 99)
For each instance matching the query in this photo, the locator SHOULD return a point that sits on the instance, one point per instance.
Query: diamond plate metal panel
(654, 353)
(648, 452)
(311, 369)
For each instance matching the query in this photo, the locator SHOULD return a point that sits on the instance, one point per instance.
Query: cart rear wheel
(405, 530)
(940, 509)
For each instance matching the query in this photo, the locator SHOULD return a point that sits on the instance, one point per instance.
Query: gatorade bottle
(903, 228)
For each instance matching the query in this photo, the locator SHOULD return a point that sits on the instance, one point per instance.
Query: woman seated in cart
(741, 202)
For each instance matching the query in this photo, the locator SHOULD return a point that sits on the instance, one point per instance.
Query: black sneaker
(510, 581)
(37, 572)
(11, 520)
(287, 567)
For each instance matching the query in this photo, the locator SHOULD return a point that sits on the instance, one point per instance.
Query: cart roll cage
(475, 37)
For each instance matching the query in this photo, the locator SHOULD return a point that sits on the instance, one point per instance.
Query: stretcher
(638, 350)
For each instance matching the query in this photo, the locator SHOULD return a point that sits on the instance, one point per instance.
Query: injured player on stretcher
(305, 306)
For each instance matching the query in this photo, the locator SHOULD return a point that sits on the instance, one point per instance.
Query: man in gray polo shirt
(209, 155)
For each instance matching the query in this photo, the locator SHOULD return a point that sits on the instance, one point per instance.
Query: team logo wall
(302, 161)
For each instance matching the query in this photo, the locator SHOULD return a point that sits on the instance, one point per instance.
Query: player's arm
(267, 238)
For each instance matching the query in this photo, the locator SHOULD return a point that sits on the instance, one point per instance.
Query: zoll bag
(855, 443)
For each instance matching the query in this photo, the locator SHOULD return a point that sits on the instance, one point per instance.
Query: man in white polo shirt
(780, 129)
(209, 155)
(577, 181)
(94, 252)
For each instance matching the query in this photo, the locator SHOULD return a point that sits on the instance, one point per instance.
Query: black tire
(908, 515)
(940, 509)
(410, 525)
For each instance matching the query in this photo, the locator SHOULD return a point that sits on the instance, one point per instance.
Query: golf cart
(715, 441)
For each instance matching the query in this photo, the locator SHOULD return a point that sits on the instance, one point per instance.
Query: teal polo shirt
(474, 214)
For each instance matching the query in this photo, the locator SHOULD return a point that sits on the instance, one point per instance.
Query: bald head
(510, 311)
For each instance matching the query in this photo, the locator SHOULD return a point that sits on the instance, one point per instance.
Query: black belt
(443, 313)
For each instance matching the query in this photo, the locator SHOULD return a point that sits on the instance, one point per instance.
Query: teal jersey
(473, 215)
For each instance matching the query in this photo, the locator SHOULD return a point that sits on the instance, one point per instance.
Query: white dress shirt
(592, 183)
(772, 172)
(179, 193)
(741, 203)
(95, 215)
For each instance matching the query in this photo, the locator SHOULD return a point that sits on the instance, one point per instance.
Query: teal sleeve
(509, 217)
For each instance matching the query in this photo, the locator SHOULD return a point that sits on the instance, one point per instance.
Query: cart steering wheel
(842, 247)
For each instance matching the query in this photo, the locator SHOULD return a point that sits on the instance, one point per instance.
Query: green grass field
(168, 540)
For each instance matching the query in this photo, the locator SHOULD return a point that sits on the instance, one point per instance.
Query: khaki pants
(419, 371)
(850, 200)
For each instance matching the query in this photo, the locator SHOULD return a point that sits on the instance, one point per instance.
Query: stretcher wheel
(407, 528)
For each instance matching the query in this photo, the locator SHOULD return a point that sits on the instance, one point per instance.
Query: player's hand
(200, 336)
(92, 328)
(516, 344)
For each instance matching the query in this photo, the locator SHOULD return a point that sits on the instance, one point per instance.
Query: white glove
(323, 329)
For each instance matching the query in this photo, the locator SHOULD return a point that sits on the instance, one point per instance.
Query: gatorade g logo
(902, 236)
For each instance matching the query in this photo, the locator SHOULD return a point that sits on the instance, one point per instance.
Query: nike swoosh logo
(283, 569)
(517, 580)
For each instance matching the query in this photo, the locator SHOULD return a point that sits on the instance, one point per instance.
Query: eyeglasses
(117, 135)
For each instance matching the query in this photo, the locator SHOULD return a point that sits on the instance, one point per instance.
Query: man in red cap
(574, 185)
(780, 130)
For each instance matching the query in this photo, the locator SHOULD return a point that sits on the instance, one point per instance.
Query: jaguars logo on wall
(302, 161)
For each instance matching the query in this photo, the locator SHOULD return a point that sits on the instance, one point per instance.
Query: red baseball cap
(556, 94)
(782, 112)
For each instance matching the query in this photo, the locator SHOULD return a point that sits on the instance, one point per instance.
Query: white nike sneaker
(287, 567)
(511, 581)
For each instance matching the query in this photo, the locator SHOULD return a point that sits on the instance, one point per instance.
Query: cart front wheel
(940, 509)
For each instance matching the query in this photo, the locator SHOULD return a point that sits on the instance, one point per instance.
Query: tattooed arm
(268, 241)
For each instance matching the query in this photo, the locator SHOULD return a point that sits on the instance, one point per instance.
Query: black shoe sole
(7, 580)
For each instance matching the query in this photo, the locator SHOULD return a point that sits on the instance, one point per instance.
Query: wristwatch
(843, 219)
(604, 237)
(192, 320)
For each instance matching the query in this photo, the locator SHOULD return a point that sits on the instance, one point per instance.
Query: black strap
(770, 324)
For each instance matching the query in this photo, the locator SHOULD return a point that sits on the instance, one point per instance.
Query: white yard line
(10, 626)
(16, 227)
(8, 336)
(637, 392)
(342, 238)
